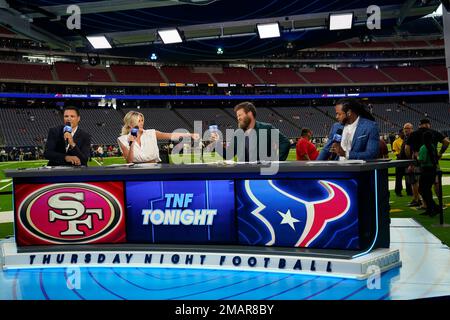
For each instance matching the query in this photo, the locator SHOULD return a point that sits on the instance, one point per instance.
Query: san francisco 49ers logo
(70, 213)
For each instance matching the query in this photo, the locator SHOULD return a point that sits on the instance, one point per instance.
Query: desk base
(208, 257)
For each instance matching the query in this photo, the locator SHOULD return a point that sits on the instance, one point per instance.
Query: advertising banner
(182, 212)
(69, 213)
(298, 213)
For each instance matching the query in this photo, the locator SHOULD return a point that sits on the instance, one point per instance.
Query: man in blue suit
(360, 136)
(325, 153)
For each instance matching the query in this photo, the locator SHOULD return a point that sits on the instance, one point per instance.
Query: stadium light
(170, 36)
(340, 21)
(99, 42)
(268, 30)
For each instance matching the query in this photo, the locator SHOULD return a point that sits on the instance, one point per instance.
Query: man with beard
(253, 135)
(360, 136)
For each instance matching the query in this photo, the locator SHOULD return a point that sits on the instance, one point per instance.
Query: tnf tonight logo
(188, 211)
(176, 212)
(71, 213)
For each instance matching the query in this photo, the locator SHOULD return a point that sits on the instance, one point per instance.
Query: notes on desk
(120, 165)
(333, 162)
(147, 165)
(52, 168)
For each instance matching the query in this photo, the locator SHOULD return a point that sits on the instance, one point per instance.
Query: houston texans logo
(290, 220)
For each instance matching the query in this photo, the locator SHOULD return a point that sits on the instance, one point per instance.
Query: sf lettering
(72, 210)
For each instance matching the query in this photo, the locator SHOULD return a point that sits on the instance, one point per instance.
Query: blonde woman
(144, 146)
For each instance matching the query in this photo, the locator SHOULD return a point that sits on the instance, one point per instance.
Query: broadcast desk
(309, 217)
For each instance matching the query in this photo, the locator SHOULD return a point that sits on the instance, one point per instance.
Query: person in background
(3, 155)
(21, 154)
(143, 148)
(416, 140)
(411, 179)
(305, 149)
(428, 160)
(100, 152)
(384, 151)
(391, 138)
(399, 172)
(12, 154)
(68, 148)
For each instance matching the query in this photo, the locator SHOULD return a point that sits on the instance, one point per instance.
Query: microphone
(213, 129)
(337, 137)
(134, 133)
(67, 128)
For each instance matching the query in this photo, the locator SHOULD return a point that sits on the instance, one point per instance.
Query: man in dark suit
(360, 136)
(68, 145)
(248, 143)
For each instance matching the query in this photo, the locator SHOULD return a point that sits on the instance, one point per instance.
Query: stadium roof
(131, 26)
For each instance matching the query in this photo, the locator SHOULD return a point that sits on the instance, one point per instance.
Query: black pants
(399, 174)
(426, 181)
(398, 180)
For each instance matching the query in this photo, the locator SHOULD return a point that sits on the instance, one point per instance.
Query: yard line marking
(24, 162)
(6, 216)
(6, 186)
(434, 197)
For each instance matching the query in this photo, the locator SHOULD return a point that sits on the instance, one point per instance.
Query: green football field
(399, 206)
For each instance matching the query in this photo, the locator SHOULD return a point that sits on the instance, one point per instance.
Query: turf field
(399, 207)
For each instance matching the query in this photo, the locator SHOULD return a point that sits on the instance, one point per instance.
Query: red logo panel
(69, 213)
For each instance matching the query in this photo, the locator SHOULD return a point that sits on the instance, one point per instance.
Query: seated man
(337, 128)
(252, 135)
(68, 146)
(360, 136)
